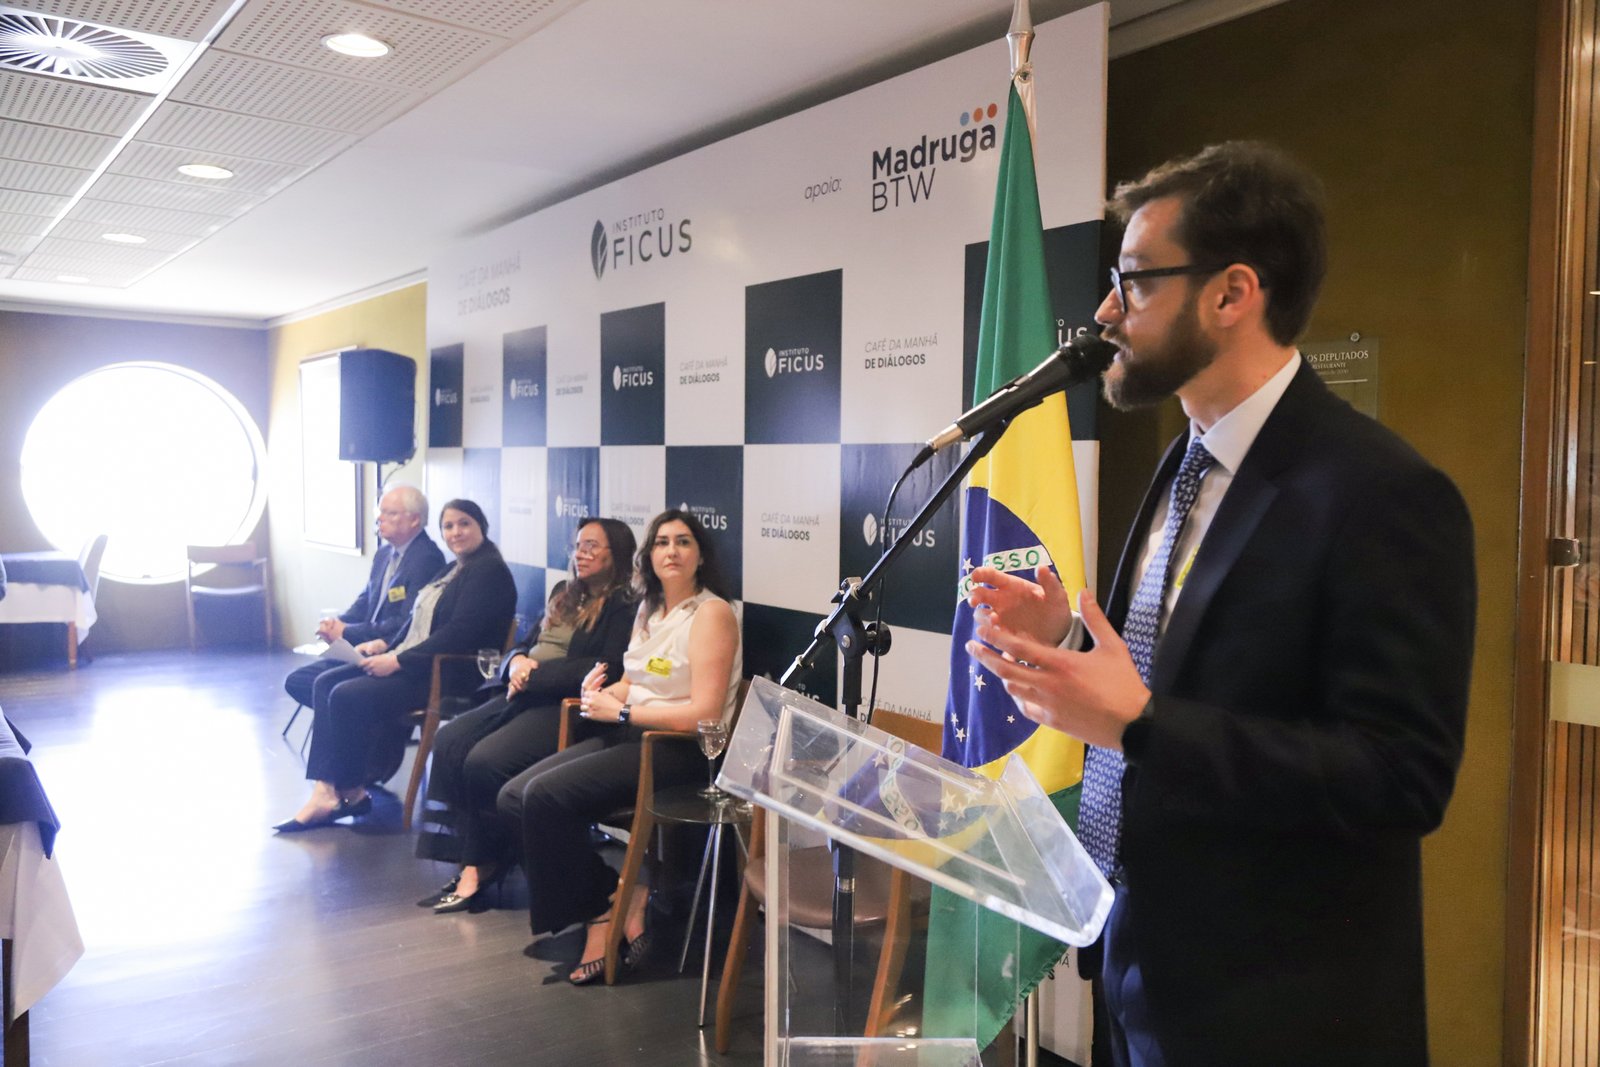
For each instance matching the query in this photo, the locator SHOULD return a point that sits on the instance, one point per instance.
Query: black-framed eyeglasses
(1118, 277)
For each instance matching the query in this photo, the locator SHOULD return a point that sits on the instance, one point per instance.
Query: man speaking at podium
(1275, 694)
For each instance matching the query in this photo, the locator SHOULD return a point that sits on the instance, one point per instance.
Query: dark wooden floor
(212, 941)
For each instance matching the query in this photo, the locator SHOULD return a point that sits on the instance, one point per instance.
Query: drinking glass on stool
(713, 739)
(489, 662)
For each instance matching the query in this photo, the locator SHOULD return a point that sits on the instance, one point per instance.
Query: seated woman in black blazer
(682, 665)
(474, 754)
(466, 608)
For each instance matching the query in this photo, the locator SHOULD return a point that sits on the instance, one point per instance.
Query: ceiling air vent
(82, 51)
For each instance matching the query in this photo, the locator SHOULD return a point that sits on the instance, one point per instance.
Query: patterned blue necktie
(1100, 816)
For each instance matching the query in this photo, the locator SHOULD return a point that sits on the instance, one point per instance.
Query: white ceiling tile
(21, 203)
(247, 136)
(30, 225)
(130, 218)
(104, 278)
(426, 54)
(54, 253)
(53, 102)
(40, 178)
(75, 229)
(51, 144)
(180, 196)
(187, 20)
(274, 91)
(512, 19)
(161, 163)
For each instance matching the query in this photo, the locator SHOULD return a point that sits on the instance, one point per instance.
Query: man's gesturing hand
(1091, 695)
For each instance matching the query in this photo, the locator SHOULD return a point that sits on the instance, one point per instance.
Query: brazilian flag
(1021, 511)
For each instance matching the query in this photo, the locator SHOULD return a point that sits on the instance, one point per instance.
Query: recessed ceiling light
(124, 238)
(356, 44)
(76, 279)
(205, 170)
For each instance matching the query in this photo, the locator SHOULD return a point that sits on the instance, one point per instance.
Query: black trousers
(474, 756)
(302, 680)
(355, 714)
(551, 805)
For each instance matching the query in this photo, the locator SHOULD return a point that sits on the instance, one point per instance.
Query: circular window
(155, 456)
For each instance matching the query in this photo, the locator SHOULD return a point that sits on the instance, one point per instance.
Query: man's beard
(1160, 370)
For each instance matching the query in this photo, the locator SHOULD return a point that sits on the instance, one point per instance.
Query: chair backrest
(920, 732)
(94, 550)
(245, 553)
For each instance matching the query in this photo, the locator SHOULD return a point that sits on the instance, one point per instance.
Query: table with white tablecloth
(48, 587)
(39, 930)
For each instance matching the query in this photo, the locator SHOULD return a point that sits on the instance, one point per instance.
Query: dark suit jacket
(419, 565)
(1310, 695)
(473, 612)
(605, 643)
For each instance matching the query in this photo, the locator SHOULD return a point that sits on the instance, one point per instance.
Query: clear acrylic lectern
(919, 964)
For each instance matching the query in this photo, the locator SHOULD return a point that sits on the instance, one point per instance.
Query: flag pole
(1020, 40)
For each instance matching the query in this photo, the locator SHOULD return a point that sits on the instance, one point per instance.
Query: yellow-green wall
(308, 577)
(1418, 116)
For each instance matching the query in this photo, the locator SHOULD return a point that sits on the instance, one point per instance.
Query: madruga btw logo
(897, 528)
(631, 377)
(522, 388)
(792, 361)
(903, 176)
(571, 509)
(637, 240)
(445, 397)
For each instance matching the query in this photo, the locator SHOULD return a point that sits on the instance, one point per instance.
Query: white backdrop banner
(764, 330)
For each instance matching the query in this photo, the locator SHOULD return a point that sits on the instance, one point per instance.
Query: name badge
(1183, 574)
(397, 593)
(659, 666)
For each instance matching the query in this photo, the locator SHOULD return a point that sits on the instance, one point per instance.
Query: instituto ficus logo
(636, 240)
(796, 360)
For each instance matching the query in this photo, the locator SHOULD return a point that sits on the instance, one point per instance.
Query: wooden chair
(883, 894)
(641, 824)
(439, 709)
(249, 574)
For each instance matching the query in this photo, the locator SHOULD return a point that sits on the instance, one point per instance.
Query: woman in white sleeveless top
(682, 666)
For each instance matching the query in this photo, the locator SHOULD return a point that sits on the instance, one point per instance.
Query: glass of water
(713, 739)
(489, 662)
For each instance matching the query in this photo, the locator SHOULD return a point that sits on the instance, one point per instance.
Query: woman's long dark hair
(484, 552)
(708, 576)
(580, 601)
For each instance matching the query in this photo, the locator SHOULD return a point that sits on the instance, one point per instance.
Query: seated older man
(406, 561)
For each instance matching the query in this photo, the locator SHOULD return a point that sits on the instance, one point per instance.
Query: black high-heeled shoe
(445, 890)
(587, 972)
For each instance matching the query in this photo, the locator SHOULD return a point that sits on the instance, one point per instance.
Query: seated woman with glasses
(682, 666)
(589, 620)
(359, 706)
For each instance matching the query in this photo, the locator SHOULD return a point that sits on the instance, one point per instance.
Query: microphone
(1084, 357)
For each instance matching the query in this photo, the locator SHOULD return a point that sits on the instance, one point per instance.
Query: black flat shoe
(446, 890)
(295, 826)
(354, 807)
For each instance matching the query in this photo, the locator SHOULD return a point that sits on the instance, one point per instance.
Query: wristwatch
(624, 713)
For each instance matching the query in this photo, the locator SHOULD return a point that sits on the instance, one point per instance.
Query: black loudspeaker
(377, 406)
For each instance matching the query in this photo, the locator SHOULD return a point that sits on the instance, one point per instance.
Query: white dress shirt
(1228, 441)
